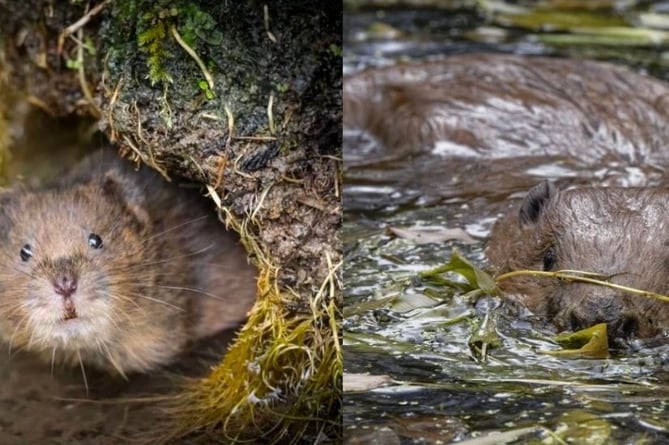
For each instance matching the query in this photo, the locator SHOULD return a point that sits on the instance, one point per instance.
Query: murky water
(438, 389)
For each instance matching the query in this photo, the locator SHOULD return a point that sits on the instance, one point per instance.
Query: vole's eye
(94, 241)
(26, 252)
(549, 259)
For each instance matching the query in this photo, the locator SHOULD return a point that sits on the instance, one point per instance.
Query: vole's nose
(609, 309)
(65, 285)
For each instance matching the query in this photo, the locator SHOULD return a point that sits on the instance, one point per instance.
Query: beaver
(496, 106)
(116, 268)
(620, 233)
(486, 125)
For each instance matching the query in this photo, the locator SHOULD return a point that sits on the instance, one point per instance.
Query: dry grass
(282, 376)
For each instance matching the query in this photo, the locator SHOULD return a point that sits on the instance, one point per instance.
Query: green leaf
(476, 277)
(592, 342)
(89, 46)
(73, 64)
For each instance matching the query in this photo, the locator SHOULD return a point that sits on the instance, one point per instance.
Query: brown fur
(505, 105)
(167, 272)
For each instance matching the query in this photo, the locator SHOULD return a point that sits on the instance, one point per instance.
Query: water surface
(441, 390)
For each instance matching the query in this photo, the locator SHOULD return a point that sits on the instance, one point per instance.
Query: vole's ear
(6, 203)
(535, 201)
(125, 193)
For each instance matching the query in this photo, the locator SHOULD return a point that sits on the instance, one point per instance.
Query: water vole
(116, 268)
(622, 233)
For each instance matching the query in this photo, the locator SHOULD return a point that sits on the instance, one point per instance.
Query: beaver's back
(509, 106)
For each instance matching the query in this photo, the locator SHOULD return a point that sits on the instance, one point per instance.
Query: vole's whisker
(122, 297)
(32, 331)
(83, 370)
(11, 339)
(109, 315)
(28, 274)
(108, 355)
(189, 289)
(53, 358)
(129, 298)
(11, 311)
(220, 266)
(167, 260)
(156, 300)
(175, 227)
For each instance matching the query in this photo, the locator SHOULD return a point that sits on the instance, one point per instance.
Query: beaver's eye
(26, 252)
(94, 241)
(549, 259)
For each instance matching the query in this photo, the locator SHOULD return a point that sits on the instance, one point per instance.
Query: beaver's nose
(609, 309)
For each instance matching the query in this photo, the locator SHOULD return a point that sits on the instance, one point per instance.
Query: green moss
(152, 42)
(151, 22)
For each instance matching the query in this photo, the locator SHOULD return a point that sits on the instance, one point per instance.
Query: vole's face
(64, 268)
